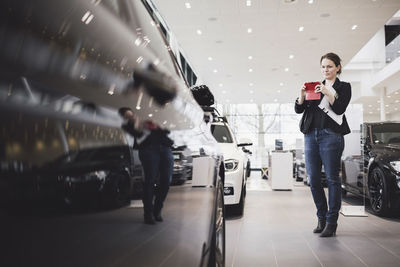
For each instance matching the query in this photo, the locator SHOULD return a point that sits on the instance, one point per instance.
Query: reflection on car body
(375, 173)
(66, 67)
(182, 166)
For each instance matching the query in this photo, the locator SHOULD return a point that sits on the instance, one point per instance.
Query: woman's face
(329, 69)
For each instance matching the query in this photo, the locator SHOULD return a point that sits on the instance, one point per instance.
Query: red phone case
(310, 88)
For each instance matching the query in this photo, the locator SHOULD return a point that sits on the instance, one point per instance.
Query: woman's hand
(321, 88)
(302, 95)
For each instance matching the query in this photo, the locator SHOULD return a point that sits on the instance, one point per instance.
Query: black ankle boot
(320, 226)
(157, 215)
(148, 219)
(330, 230)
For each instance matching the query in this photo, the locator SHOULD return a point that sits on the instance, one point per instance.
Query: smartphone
(310, 88)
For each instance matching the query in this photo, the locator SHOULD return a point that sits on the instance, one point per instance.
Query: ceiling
(220, 55)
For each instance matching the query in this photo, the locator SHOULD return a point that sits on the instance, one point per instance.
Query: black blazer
(310, 107)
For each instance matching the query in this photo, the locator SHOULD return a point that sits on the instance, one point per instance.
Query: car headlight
(231, 165)
(395, 165)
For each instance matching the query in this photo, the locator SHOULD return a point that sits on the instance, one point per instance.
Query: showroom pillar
(383, 113)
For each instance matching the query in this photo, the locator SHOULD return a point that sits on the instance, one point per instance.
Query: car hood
(390, 152)
(230, 151)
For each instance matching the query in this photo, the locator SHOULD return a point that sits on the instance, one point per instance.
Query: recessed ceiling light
(199, 32)
(378, 109)
(249, 30)
(286, 69)
(301, 28)
(150, 115)
(395, 108)
(275, 100)
(278, 91)
(224, 92)
(396, 93)
(378, 101)
(248, 3)
(220, 85)
(370, 106)
(386, 105)
(250, 70)
(210, 58)
(251, 91)
(251, 84)
(310, 1)
(291, 56)
(397, 101)
(370, 112)
(388, 96)
(354, 27)
(227, 100)
(250, 57)
(215, 71)
(187, 5)
(281, 84)
(251, 100)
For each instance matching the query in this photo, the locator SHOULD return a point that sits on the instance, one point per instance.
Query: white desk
(281, 170)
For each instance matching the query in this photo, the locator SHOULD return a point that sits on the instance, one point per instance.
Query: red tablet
(310, 88)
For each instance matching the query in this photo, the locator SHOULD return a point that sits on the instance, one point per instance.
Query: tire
(239, 208)
(117, 191)
(217, 246)
(378, 192)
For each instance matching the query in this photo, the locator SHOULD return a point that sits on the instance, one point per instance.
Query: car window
(386, 133)
(221, 133)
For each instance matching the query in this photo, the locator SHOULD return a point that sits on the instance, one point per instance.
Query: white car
(235, 165)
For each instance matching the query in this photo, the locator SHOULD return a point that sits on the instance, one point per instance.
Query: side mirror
(245, 142)
(158, 85)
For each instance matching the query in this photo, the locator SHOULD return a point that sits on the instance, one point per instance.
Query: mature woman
(324, 124)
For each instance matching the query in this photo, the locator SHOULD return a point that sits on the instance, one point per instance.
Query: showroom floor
(276, 230)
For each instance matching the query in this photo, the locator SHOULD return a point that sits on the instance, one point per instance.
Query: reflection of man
(157, 161)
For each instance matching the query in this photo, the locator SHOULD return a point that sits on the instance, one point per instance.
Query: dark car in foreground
(66, 67)
(375, 173)
(183, 167)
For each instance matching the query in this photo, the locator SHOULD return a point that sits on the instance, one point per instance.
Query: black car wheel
(217, 247)
(378, 192)
(239, 208)
(117, 191)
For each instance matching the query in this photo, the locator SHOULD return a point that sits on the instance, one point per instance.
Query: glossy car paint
(73, 62)
(357, 171)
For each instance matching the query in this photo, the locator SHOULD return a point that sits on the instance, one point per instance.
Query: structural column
(383, 111)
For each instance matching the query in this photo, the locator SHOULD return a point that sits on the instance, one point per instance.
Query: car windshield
(221, 134)
(388, 133)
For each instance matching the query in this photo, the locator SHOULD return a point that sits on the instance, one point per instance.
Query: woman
(324, 124)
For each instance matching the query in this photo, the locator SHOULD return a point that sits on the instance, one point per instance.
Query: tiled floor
(276, 230)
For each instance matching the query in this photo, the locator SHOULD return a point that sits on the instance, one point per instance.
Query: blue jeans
(157, 161)
(323, 146)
